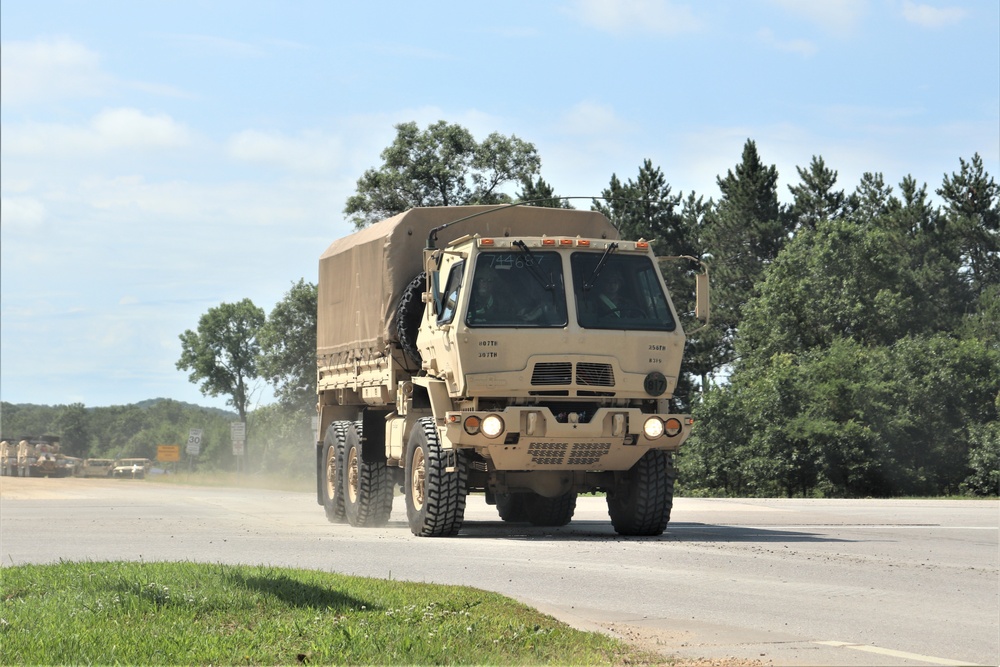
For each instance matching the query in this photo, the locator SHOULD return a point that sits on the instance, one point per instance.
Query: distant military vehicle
(8, 458)
(40, 456)
(525, 352)
(97, 467)
(134, 468)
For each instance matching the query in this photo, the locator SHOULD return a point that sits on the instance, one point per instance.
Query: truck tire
(409, 312)
(641, 500)
(367, 487)
(435, 495)
(332, 489)
(511, 507)
(542, 511)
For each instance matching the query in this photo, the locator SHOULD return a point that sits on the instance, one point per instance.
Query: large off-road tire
(332, 488)
(641, 501)
(409, 312)
(367, 486)
(435, 495)
(511, 507)
(542, 511)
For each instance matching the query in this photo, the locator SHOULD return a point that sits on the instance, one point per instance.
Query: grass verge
(189, 613)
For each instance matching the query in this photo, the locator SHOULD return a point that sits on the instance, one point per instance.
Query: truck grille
(552, 372)
(595, 375)
(562, 453)
(549, 373)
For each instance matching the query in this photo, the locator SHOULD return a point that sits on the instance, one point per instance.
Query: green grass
(196, 614)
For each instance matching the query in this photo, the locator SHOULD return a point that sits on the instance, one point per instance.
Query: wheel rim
(352, 475)
(331, 473)
(417, 478)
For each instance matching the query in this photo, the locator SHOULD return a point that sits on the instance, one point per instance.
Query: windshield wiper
(587, 286)
(548, 285)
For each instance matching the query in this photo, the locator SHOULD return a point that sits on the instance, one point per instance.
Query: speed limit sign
(194, 442)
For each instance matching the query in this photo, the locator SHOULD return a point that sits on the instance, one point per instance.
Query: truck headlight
(653, 428)
(492, 426)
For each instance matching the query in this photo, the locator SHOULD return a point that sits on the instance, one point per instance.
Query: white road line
(897, 654)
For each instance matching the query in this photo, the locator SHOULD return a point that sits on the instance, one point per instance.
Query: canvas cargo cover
(362, 276)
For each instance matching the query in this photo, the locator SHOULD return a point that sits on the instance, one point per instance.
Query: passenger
(491, 301)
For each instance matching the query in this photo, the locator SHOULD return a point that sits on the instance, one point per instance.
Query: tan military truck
(41, 457)
(524, 352)
(8, 457)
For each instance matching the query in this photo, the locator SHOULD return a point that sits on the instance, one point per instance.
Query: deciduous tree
(222, 354)
(288, 348)
(440, 166)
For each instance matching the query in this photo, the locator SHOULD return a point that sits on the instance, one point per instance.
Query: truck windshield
(507, 290)
(626, 293)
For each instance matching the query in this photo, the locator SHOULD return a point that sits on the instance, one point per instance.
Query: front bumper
(533, 438)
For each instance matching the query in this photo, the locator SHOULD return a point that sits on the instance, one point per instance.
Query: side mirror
(701, 307)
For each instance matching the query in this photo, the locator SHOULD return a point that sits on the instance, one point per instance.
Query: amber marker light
(672, 427)
(583, 242)
(472, 424)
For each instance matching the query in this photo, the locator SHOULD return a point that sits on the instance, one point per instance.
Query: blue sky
(159, 158)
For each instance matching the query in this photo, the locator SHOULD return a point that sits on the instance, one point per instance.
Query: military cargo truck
(524, 352)
(8, 457)
(41, 457)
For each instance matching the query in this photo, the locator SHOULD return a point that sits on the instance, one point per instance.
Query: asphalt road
(783, 582)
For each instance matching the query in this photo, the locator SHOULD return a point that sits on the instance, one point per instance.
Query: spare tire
(409, 312)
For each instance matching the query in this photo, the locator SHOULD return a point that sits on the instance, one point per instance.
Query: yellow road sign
(167, 453)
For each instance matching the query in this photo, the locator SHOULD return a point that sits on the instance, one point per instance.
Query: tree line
(854, 348)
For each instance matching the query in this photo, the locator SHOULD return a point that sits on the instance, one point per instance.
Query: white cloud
(932, 17)
(111, 129)
(47, 70)
(311, 151)
(232, 48)
(803, 47)
(130, 128)
(591, 118)
(834, 15)
(636, 16)
(21, 212)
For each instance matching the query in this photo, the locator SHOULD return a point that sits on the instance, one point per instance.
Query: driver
(612, 299)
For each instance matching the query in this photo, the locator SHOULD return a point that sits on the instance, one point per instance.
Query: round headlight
(672, 427)
(653, 428)
(472, 424)
(492, 426)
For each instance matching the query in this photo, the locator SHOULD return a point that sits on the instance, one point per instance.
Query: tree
(222, 354)
(288, 348)
(440, 166)
(743, 235)
(74, 430)
(646, 208)
(815, 198)
(972, 210)
(540, 193)
(837, 280)
(866, 366)
(873, 200)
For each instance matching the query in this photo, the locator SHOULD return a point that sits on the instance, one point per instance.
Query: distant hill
(150, 402)
(143, 405)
